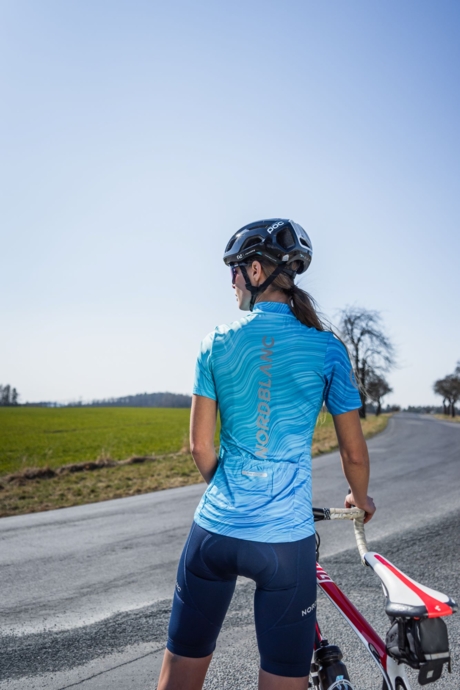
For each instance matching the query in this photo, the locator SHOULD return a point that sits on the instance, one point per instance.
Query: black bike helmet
(279, 240)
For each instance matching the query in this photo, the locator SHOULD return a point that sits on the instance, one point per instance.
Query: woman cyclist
(269, 373)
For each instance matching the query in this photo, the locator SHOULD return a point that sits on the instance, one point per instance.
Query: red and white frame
(393, 673)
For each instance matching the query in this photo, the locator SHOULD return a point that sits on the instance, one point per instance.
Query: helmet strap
(257, 289)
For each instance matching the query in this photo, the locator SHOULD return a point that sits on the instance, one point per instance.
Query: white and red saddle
(405, 597)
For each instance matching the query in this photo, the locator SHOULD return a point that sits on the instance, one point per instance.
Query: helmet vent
(230, 244)
(285, 238)
(251, 241)
(304, 242)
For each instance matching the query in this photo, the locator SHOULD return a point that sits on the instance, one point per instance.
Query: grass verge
(29, 491)
(325, 440)
(448, 418)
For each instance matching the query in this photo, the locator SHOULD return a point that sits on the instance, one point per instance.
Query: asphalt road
(86, 591)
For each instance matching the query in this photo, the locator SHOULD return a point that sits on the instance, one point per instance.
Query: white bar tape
(357, 515)
(346, 513)
(360, 537)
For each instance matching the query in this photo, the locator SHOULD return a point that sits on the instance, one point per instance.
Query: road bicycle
(417, 636)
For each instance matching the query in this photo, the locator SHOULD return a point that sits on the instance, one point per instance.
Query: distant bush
(371, 408)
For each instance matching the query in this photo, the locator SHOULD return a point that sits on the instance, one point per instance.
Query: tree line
(449, 389)
(8, 396)
(145, 400)
(138, 400)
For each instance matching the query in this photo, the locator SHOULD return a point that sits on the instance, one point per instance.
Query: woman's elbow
(199, 449)
(355, 458)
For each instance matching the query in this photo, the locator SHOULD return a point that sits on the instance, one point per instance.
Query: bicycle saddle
(405, 597)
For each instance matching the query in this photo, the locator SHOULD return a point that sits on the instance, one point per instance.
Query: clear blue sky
(137, 136)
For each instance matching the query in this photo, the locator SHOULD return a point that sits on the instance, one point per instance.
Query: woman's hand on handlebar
(368, 506)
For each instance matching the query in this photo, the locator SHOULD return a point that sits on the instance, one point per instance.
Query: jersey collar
(273, 307)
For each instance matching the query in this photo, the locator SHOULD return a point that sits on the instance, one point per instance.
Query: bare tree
(5, 395)
(440, 387)
(370, 349)
(449, 389)
(377, 387)
(8, 396)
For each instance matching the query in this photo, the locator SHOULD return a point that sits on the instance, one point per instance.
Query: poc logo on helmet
(273, 227)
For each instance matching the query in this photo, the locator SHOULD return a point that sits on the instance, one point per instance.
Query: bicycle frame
(392, 672)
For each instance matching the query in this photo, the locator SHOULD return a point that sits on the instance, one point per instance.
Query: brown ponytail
(302, 304)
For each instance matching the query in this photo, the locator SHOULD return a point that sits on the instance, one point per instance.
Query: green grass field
(53, 437)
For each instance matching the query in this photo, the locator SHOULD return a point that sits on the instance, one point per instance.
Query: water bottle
(332, 672)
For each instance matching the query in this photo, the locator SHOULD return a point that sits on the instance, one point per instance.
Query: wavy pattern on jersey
(262, 488)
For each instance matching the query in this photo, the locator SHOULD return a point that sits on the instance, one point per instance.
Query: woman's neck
(273, 296)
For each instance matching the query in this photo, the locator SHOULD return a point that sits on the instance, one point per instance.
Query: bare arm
(355, 461)
(202, 429)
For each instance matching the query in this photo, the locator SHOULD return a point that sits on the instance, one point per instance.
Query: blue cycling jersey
(270, 375)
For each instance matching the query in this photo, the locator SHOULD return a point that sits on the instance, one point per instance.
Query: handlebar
(355, 514)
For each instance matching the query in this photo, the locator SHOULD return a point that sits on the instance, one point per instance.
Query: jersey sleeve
(341, 392)
(204, 380)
